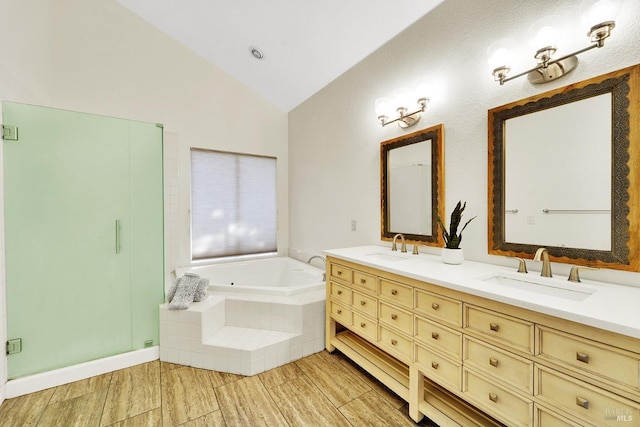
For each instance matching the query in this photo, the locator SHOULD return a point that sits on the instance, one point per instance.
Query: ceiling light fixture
(544, 35)
(256, 52)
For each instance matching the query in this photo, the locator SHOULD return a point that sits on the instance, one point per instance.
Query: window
(233, 204)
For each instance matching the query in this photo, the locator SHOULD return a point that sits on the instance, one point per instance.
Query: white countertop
(609, 306)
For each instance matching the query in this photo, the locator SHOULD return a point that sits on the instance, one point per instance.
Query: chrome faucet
(394, 247)
(543, 255)
(324, 275)
(574, 276)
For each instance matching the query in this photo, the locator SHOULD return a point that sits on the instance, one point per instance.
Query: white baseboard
(57, 377)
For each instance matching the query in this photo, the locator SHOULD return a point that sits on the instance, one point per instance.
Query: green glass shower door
(74, 284)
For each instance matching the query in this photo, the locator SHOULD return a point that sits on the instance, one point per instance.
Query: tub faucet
(543, 255)
(394, 247)
(324, 275)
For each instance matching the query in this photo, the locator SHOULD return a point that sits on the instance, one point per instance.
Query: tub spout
(324, 275)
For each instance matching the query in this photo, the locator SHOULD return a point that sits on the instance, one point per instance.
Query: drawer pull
(339, 292)
(394, 317)
(435, 305)
(494, 327)
(363, 281)
(435, 335)
(493, 397)
(339, 311)
(394, 292)
(493, 362)
(394, 342)
(363, 302)
(434, 365)
(339, 273)
(582, 357)
(362, 325)
(581, 401)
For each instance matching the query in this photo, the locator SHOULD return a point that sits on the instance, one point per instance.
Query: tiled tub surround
(451, 343)
(243, 333)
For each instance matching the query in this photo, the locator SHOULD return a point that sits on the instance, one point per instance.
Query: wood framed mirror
(412, 186)
(564, 170)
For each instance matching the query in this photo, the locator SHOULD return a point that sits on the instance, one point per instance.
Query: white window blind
(233, 204)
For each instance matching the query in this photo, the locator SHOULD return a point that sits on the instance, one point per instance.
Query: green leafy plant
(452, 238)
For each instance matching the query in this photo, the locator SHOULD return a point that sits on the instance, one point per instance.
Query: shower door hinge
(14, 346)
(10, 133)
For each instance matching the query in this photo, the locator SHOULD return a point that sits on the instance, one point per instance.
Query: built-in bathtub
(258, 315)
(271, 276)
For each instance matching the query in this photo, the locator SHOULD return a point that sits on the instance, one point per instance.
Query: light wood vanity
(463, 359)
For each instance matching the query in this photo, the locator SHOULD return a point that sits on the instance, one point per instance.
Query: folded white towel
(185, 290)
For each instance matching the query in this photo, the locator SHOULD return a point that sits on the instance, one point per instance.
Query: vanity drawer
(439, 337)
(364, 326)
(340, 293)
(621, 367)
(365, 282)
(341, 272)
(583, 400)
(439, 308)
(341, 313)
(543, 417)
(396, 343)
(513, 332)
(503, 404)
(438, 368)
(365, 304)
(398, 294)
(499, 364)
(396, 317)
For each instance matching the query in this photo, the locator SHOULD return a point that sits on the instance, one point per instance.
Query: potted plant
(452, 253)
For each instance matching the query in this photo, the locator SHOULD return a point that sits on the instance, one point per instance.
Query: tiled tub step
(248, 351)
(242, 336)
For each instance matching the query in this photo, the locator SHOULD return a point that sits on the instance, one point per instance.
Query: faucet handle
(522, 265)
(574, 275)
(415, 249)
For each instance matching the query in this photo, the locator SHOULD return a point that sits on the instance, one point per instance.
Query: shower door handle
(117, 236)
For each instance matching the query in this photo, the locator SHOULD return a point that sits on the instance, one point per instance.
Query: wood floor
(320, 390)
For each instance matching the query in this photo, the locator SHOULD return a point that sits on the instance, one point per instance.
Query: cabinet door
(67, 204)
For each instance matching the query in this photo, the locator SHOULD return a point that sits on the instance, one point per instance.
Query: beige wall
(95, 56)
(334, 136)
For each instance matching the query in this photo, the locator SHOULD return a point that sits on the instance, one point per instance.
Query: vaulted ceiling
(305, 44)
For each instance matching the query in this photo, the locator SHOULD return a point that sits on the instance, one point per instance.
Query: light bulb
(500, 54)
(423, 88)
(594, 12)
(402, 99)
(384, 108)
(545, 32)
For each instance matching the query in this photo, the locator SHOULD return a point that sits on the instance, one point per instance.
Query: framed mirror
(563, 173)
(412, 186)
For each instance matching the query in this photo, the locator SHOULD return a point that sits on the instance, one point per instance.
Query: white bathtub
(270, 276)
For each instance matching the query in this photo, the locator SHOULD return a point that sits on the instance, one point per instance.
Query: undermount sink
(542, 285)
(386, 256)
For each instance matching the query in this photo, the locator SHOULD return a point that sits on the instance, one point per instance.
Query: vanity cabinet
(462, 359)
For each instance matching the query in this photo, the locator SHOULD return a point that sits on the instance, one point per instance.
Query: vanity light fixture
(397, 109)
(544, 35)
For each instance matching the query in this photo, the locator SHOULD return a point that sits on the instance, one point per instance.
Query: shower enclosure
(84, 236)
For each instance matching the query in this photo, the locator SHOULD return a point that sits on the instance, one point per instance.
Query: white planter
(452, 256)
